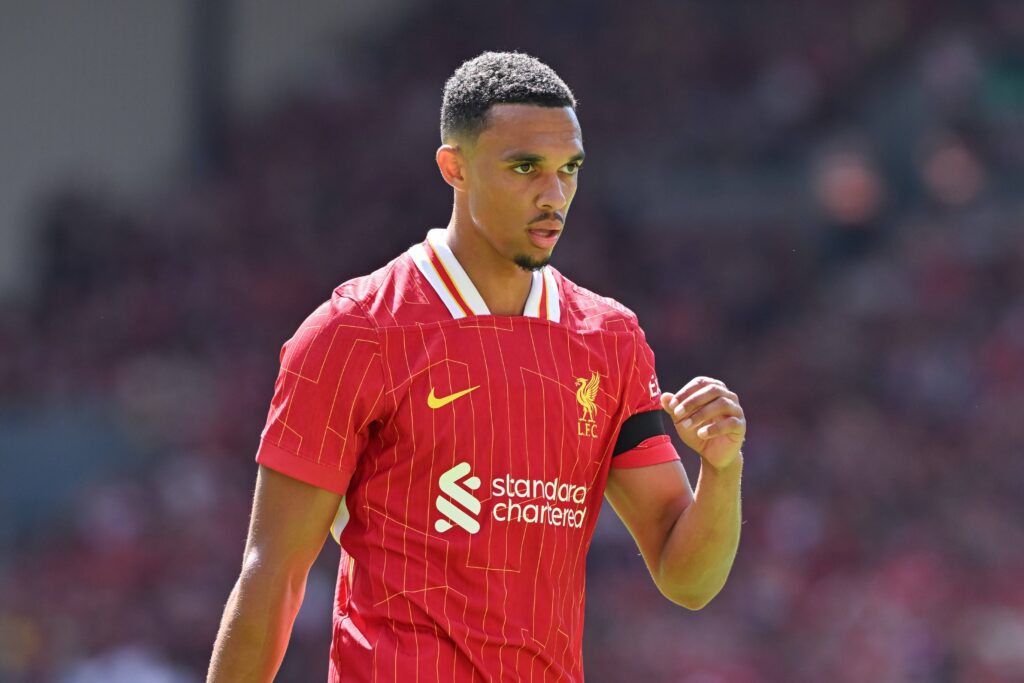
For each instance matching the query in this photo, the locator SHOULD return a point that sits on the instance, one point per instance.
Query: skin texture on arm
(289, 523)
(689, 540)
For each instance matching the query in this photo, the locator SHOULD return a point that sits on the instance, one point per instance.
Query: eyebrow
(536, 158)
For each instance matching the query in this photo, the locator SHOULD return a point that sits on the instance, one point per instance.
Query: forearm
(255, 628)
(701, 546)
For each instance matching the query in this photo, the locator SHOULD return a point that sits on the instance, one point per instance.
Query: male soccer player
(455, 419)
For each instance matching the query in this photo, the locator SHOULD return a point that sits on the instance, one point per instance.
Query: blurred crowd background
(821, 203)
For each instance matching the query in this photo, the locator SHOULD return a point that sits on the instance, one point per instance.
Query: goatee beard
(530, 265)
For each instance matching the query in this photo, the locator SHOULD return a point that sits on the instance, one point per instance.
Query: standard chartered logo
(450, 486)
(553, 502)
(527, 501)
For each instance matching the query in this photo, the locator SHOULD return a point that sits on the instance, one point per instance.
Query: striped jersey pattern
(472, 451)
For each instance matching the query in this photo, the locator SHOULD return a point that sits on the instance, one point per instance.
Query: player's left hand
(709, 419)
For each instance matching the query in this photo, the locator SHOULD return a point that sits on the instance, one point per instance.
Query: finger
(695, 384)
(666, 398)
(667, 404)
(701, 398)
(695, 401)
(687, 393)
(728, 425)
(716, 408)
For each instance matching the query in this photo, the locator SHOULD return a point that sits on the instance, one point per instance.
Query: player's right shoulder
(364, 289)
(340, 311)
(358, 302)
(396, 295)
(336, 325)
(346, 313)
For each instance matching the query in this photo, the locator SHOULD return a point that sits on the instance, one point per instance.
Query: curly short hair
(497, 78)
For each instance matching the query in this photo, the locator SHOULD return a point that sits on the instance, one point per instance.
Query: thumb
(665, 398)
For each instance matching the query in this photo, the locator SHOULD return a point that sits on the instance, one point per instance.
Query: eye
(572, 167)
(528, 165)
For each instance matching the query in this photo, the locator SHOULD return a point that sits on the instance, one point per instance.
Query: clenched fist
(709, 419)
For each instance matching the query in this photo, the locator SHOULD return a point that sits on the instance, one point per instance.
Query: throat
(504, 295)
(504, 284)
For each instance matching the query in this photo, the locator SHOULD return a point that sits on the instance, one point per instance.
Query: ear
(451, 162)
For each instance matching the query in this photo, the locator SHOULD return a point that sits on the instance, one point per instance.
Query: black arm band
(638, 429)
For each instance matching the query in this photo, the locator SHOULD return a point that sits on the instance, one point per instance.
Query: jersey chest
(497, 426)
(535, 391)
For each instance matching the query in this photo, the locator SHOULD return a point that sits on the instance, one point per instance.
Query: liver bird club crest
(586, 394)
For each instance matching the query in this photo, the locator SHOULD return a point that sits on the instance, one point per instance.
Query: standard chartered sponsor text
(535, 501)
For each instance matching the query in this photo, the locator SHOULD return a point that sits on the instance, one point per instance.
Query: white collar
(438, 265)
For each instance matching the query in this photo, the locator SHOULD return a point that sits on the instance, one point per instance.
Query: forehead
(531, 128)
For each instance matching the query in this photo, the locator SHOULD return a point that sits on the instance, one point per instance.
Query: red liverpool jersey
(473, 452)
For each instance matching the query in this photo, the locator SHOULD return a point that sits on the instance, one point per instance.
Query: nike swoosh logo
(440, 402)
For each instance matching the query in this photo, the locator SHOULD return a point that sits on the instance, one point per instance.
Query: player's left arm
(689, 539)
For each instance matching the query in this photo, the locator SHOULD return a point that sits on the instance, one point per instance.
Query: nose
(553, 195)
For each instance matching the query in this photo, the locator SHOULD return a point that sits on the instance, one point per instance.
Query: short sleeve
(642, 438)
(328, 393)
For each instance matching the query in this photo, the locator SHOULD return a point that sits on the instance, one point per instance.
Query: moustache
(548, 217)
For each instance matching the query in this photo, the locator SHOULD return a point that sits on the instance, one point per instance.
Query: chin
(531, 264)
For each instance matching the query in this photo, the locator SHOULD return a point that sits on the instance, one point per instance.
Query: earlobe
(449, 161)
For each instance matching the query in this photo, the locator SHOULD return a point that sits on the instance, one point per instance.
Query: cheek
(484, 204)
(570, 192)
(496, 198)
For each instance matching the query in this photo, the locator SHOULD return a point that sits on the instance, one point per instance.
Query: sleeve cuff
(295, 466)
(652, 451)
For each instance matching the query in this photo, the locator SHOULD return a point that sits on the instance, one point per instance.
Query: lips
(551, 224)
(544, 238)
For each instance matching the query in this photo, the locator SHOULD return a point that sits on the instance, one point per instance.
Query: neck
(502, 284)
